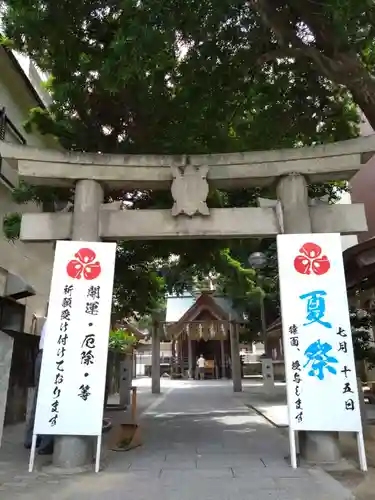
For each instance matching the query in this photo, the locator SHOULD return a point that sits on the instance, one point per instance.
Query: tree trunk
(365, 98)
(348, 70)
(343, 67)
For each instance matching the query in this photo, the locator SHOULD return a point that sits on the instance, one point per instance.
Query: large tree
(331, 40)
(131, 76)
(336, 36)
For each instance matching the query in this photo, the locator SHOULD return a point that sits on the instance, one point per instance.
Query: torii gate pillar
(314, 447)
(72, 452)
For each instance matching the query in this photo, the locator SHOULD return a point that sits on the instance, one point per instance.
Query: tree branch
(276, 22)
(287, 52)
(324, 63)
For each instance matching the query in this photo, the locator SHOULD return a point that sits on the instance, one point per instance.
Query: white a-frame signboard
(72, 378)
(319, 361)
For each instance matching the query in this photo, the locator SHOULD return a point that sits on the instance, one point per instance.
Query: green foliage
(247, 291)
(114, 95)
(334, 37)
(5, 41)
(185, 77)
(121, 340)
(362, 336)
(145, 323)
(12, 226)
(139, 287)
(24, 193)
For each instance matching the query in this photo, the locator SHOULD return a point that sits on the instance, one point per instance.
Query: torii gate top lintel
(189, 179)
(335, 161)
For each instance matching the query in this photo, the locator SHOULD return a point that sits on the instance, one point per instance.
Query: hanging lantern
(200, 330)
(212, 331)
(223, 330)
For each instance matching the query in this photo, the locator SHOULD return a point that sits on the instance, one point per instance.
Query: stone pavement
(14, 459)
(272, 405)
(200, 441)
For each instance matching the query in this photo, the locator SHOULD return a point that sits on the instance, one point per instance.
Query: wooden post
(190, 357)
(235, 355)
(155, 361)
(222, 358)
(181, 355)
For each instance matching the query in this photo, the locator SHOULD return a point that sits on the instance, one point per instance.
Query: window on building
(8, 131)
(2, 124)
(12, 315)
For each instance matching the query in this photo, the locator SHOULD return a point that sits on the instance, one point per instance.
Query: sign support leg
(293, 450)
(98, 451)
(361, 452)
(32, 452)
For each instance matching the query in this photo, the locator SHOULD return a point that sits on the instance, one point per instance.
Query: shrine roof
(187, 307)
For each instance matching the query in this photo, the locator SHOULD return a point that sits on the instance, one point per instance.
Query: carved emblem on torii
(189, 190)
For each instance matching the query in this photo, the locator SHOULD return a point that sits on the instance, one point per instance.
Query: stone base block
(319, 447)
(73, 451)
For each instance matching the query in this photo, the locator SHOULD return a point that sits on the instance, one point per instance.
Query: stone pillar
(235, 355)
(362, 404)
(77, 451)
(315, 447)
(87, 201)
(294, 202)
(222, 358)
(267, 349)
(126, 379)
(6, 351)
(268, 375)
(155, 361)
(190, 356)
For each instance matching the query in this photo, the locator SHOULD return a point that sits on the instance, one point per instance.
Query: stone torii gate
(189, 178)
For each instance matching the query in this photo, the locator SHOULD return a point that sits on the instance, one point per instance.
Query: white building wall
(31, 261)
(144, 356)
(365, 130)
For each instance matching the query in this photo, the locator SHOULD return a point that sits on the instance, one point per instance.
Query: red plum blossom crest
(84, 265)
(311, 260)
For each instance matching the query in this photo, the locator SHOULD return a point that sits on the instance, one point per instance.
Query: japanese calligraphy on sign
(72, 379)
(319, 361)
